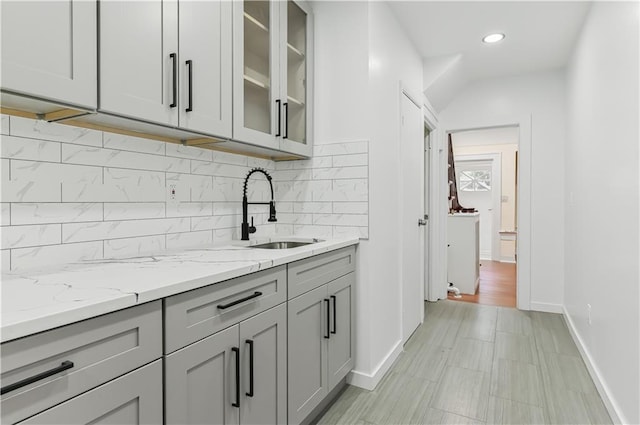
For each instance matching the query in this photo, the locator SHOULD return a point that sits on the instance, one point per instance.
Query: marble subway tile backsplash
(72, 194)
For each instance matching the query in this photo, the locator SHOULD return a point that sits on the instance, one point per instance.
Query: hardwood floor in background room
(497, 285)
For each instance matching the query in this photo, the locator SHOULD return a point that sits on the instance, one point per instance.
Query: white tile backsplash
(24, 236)
(134, 246)
(134, 210)
(87, 192)
(30, 149)
(5, 214)
(189, 239)
(189, 152)
(4, 124)
(45, 212)
(81, 232)
(43, 130)
(31, 191)
(72, 194)
(134, 144)
(54, 172)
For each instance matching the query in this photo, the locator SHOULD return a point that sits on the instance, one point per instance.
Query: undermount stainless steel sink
(281, 245)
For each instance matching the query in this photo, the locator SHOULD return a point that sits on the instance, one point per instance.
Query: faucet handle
(252, 228)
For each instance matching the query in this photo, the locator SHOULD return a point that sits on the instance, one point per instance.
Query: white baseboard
(612, 407)
(547, 307)
(370, 381)
(508, 260)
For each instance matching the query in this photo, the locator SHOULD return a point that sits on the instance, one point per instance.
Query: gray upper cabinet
(237, 375)
(49, 50)
(133, 399)
(138, 59)
(205, 52)
(272, 81)
(296, 73)
(167, 62)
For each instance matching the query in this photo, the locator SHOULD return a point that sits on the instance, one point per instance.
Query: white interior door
(476, 190)
(412, 182)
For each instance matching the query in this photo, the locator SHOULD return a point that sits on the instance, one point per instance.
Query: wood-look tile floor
(477, 364)
(497, 285)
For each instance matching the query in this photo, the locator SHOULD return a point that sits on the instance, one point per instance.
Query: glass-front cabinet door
(296, 77)
(272, 75)
(256, 72)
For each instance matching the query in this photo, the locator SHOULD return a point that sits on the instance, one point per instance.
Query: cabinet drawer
(100, 349)
(307, 274)
(196, 314)
(132, 399)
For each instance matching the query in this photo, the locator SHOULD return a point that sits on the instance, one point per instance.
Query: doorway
(486, 179)
(411, 210)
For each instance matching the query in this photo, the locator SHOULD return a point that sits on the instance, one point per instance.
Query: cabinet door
(49, 50)
(341, 343)
(257, 106)
(308, 330)
(296, 65)
(263, 339)
(139, 64)
(200, 381)
(135, 398)
(206, 63)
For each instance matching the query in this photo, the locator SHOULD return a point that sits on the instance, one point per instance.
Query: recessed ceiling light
(493, 38)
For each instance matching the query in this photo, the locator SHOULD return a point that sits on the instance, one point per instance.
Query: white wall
(601, 210)
(362, 42)
(540, 96)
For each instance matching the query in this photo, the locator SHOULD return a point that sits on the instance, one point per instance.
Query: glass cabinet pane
(257, 65)
(296, 73)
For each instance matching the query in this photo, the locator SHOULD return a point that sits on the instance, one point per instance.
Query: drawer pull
(326, 303)
(250, 392)
(333, 298)
(241, 300)
(174, 60)
(63, 366)
(237, 351)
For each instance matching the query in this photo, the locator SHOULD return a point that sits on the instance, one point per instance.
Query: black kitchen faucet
(246, 229)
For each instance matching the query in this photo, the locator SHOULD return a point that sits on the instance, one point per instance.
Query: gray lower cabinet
(135, 398)
(341, 342)
(73, 359)
(236, 376)
(320, 344)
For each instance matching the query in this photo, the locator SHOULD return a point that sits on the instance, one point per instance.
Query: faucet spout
(246, 228)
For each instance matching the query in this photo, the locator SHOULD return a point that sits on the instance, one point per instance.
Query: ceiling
(448, 35)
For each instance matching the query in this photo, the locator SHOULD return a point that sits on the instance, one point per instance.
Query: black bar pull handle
(250, 344)
(278, 101)
(241, 300)
(326, 303)
(189, 64)
(286, 120)
(174, 59)
(333, 299)
(237, 351)
(30, 380)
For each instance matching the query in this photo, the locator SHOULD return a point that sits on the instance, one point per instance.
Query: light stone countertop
(38, 300)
